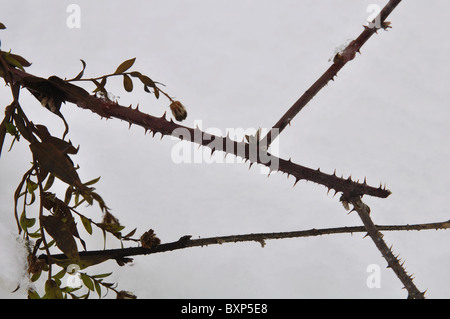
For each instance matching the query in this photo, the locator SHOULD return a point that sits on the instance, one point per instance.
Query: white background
(242, 64)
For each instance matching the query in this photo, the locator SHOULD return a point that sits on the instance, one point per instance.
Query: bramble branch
(340, 61)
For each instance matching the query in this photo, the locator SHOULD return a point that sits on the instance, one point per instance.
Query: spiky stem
(255, 154)
(347, 55)
(187, 242)
(393, 262)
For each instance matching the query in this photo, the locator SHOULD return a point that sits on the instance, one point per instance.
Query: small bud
(178, 110)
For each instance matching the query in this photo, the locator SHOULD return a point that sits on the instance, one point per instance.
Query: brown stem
(393, 262)
(347, 55)
(187, 242)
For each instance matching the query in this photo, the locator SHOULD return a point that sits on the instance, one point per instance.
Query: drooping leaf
(87, 281)
(127, 83)
(10, 128)
(149, 82)
(87, 224)
(62, 233)
(98, 289)
(31, 186)
(35, 276)
(32, 294)
(125, 66)
(49, 183)
(55, 161)
(25, 222)
(52, 290)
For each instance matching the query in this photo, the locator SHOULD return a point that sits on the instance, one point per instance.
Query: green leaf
(87, 281)
(26, 222)
(87, 224)
(102, 275)
(52, 290)
(49, 183)
(125, 66)
(31, 186)
(2, 26)
(60, 274)
(11, 128)
(127, 83)
(32, 294)
(35, 276)
(98, 289)
(92, 182)
(36, 234)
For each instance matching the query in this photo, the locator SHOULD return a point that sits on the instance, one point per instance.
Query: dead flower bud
(34, 265)
(108, 218)
(149, 239)
(178, 110)
(125, 295)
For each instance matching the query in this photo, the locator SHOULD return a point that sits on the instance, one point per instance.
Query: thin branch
(393, 262)
(339, 62)
(187, 242)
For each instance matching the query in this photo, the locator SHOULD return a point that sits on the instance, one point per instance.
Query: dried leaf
(127, 83)
(53, 160)
(62, 233)
(125, 66)
(80, 75)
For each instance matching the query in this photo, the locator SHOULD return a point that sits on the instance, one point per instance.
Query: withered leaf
(62, 233)
(125, 66)
(80, 75)
(53, 160)
(127, 83)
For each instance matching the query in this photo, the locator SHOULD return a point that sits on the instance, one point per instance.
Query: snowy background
(242, 64)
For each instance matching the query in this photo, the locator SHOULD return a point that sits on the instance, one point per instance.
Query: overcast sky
(241, 65)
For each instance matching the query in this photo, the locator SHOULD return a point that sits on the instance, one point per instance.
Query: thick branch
(347, 55)
(254, 153)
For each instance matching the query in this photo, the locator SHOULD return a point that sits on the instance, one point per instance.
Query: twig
(393, 262)
(187, 242)
(347, 55)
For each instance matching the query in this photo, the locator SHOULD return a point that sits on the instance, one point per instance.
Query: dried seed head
(125, 295)
(178, 110)
(149, 239)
